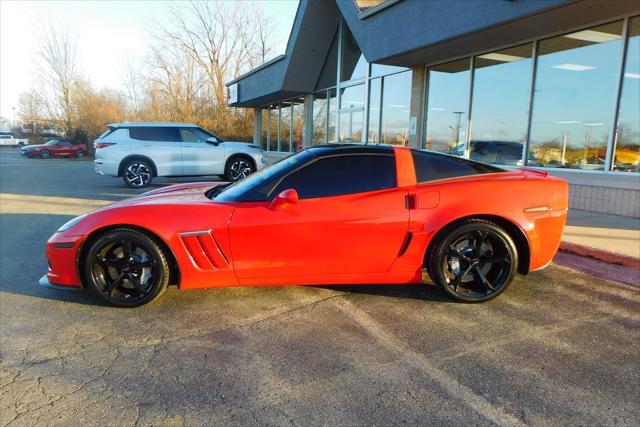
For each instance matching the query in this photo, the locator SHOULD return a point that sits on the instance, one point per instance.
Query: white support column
(417, 106)
(307, 123)
(257, 126)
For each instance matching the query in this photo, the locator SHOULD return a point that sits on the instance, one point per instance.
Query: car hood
(30, 147)
(191, 193)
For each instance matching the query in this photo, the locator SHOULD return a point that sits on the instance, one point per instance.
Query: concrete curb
(601, 254)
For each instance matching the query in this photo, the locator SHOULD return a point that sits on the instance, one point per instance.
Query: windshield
(234, 192)
(52, 142)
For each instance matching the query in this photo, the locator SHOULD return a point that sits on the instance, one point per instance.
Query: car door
(200, 157)
(161, 145)
(350, 218)
(64, 148)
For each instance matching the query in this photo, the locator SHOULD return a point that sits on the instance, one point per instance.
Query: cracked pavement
(558, 347)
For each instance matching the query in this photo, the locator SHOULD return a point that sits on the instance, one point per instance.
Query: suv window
(165, 133)
(194, 135)
(338, 175)
(430, 166)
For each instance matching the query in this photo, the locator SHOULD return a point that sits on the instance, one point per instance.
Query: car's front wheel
(137, 173)
(238, 167)
(80, 154)
(126, 268)
(473, 261)
(45, 154)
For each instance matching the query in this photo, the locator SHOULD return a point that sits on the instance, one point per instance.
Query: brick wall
(616, 201)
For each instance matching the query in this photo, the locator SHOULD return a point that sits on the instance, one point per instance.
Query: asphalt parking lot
(558, 347)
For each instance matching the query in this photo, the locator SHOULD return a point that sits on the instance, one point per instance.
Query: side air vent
(204, 250)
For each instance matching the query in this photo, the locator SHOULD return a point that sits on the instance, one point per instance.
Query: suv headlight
(67, 225)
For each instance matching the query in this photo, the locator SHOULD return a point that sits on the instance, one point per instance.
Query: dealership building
(551, 84)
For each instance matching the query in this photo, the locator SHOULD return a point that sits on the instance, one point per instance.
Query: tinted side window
(193, 135)
(334, 176)
(65, 143)
(165, 134)
(430, 167)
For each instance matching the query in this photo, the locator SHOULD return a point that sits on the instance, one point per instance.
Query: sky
(106, 30)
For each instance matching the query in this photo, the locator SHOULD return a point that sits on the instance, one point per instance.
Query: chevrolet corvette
(332, 214)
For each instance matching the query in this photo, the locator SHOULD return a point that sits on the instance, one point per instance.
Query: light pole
(14, 116)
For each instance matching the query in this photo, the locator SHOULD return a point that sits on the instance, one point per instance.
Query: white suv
(140, 151)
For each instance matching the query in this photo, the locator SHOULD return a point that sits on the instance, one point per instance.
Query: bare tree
(31, 106)
(222, 38)
(132, 81)
(59, 74)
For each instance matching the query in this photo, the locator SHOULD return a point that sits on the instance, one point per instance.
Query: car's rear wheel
(80, 154)
(126, 268)
(474, 261)
(137, 173)
(238, 167)
(45, 154)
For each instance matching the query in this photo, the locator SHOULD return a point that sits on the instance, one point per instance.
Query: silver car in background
(138, 152)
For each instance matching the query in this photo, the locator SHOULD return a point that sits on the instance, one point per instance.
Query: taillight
(103, 144)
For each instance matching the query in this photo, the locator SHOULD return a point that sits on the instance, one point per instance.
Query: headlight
(67, 225)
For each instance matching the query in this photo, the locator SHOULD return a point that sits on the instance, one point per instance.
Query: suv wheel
(137, 173)
(237, 168)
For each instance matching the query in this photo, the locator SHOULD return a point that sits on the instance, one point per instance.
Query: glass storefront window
(273, 128)
(285, 126)
(351, 114)
(354, 66)
(500, 107)
(575, 86)
(626, 155)
(447, 104)
(319, 118)
(375, 97)
(396, 99)
(298, 120)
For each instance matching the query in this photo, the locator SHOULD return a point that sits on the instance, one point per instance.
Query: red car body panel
(365, 238)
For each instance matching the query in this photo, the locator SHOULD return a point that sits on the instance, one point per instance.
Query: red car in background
(55, 148)
(347, 214)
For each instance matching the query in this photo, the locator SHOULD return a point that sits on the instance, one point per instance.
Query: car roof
(148, 124)
(328, 149)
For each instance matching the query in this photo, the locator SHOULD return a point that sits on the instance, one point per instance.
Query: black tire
(238, 167)
(473, 261)
(80, 154)
(126, 268)
(137, 173)
(45, 154)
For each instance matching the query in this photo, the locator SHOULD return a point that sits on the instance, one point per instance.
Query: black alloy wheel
(137, 174)
(474, 261)
(126, 268)
(80, 154)
(238, 168)
(45, 154)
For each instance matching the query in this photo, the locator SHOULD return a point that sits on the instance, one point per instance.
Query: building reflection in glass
(500, 107)
(576, 81)
(447, 104)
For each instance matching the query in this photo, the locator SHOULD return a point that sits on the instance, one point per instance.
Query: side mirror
(286, 197)
(213, 141)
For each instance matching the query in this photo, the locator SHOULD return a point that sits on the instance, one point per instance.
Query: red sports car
(333, 214)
